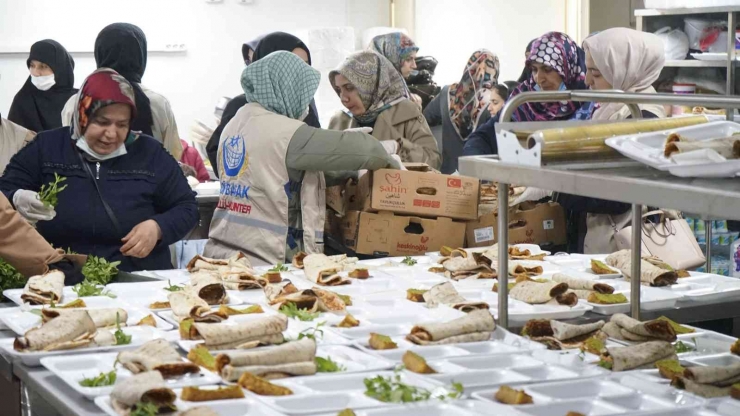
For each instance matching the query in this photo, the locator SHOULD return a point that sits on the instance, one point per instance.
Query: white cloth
(12, 139)
(366, 130)
(390, 146)
(532, 194)
(630, 61)
(28, 204)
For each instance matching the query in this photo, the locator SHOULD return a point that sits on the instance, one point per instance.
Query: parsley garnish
(312, 332)
(99, 271)
(121, 337)
(280, 267)
(86, 289)
(391, 390)
(291, 311)
(48, 192)
(10, 278)
(173, 288)
(409, 261)
(326, 365)
(103, 379)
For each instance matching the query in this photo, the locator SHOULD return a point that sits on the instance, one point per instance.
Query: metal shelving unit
(627, 182)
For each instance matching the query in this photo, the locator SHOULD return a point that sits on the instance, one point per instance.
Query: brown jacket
(404, 123)
(21, 245)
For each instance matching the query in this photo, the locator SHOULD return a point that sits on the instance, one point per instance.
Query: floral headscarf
(559, 52)
(102, 88)
(282, 83)
(396, 47)
(379, 84)
(472, 94)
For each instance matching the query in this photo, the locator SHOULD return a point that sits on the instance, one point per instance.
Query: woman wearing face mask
(252, 52)
(376, 98)
(38, 105)
(459, 107)
(126, 198)
(556, 63)
(122, 47)
(275, 168)
(401, 51)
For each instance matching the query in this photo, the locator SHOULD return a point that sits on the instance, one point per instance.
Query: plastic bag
(699, 29)
(675, 43)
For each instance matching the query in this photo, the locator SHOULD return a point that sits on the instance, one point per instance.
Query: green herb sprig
(327, 365)
(144, 409)
(121, 337)
(86, 289)
(173, 288)
(101, 380)
(409, 261)
(99, 271)
(315, 333)
(10, 278)
(391, 390)
(48, 193)
(291, 311)
(280, 267)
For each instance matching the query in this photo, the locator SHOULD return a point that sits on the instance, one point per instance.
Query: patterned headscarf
(559, 52)
(282, 83)
(379, 84)
(102, 88)
(396, 47)
(472, 94)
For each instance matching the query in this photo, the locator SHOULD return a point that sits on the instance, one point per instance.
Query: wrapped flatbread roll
(45, 288)
(294, 358)
(446, 294)
(476, 326)
(199, 411)
(517, 268)
(329, 301)
(718, 376)
(728, 147)
(298, 259)
(157, 355)
(458, 268)
(103, 318)
(243, 335)
(707, 391)
(146, 387)
(582, 284)
(185, 304)
(324, 271)
(559, 335)
(209, 287)
(650, 274)
(238, 261)
(274, 291)
(242, 280)
(634, 330)
(580, 294)
(537, 293)
(639, 356)
(71, 330)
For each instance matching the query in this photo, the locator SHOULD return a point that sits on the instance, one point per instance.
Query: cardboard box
(385, 233)
(418, 193)
(529, 223)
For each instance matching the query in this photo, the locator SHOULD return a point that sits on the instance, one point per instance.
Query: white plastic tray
(169, 317)
(708, 288)
(75, 368)
(235, 407)
(139, 335)
(21, 321)
(67, 296)
(650, 299)
(718, 360)
(6, 311)
(648, 148)
(145, 293)
(417, 409)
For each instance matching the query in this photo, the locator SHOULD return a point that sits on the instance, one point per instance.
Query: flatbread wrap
(446, 294)
(476, 326)
(243, 335)
(634, 330)
(71, 330)
(236, 262)
(649, 273)
(156, 355)
(582, 284)
(537, 293)
(209, 287)
(243, 280)
(718, 376)
(294, 358)
(103, 317)
(186, 304)
(148, 387)
(45, 288)
(639, 356)
(518, 268)
(324, 271)
(728, 147)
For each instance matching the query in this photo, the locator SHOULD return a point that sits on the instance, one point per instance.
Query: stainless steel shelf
(695, 63)
(691, 11)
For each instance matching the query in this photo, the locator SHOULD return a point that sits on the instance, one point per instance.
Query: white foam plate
(5, 311)
(710, 56)
(139, 336)
(21, 321)
(235, 407)
(144, 294)
(67, 296)
(651, 298)
(718, 360)
(422, 409)
(169, 316)
(522, 312)
(75, 368)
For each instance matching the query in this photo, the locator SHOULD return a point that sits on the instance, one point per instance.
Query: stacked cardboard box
(529, 223)
(403, 213)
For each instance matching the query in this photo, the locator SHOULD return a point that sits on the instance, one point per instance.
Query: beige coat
(12, 139)
(404, 123)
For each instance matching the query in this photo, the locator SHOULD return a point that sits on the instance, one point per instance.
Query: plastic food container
(682, 89)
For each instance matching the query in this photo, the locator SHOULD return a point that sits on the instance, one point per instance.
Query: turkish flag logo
(393, 179)
(454, 183)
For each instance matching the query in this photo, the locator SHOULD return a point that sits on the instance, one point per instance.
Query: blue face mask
(562, 87)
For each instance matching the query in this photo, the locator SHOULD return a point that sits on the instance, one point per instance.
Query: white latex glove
(27, 204)
(390, 146)
(532, 194)
(400, 162)
(366, 130)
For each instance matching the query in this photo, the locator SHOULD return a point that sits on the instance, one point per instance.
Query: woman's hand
(141, 240)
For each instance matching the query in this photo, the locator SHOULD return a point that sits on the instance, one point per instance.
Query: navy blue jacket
(483, 140)
(144, 184)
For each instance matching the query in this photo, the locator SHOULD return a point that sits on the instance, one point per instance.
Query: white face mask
(82, 144)
(43, 83)
(304, 114)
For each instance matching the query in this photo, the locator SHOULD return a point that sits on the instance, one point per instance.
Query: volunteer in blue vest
(275, 168)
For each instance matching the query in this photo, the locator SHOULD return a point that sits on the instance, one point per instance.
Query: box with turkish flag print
(419, 193)
(385, 233)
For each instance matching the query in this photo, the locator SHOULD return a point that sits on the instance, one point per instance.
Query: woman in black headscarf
(251, 52)
(38, 105)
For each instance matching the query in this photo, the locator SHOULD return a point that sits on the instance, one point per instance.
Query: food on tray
(625, 328)
(446, 294)
(606, 299)
(474, 267)
(242, 335)
(595, 345)
(229, 311)
(258, 385)
(681, 348)
(349, 321)
(437, 269)
(298, 259)
(324, 270)
(477, 325)
(670, 369)
(709, 381)
(291, 311)
(517, 253)
(517, 268)
(208, 287)
(77, 303)
(509, 285)
(273, 277)
(187, 305)
(735, 391)
(574, 414)
(237, 261)
(246, 280)
(536, 293)
(446, 251)
(507, 395)
(156, 355)
(101, 380)
(195, 394)
(559, 335)
(416, 295)
(346, 412)
(327, 365)
(199, 411)
(71, 330)
(160, 305)
(728, 147)
(147, 321)
(637, 357)
(409, 261)
(582, 284)
(44, 289)
(735, 348)
(201, 356)
(103, 318)
(359, 274)
(311, 300)
(295, 358)
(329, 301)
(381, 342)
(416, 363)
(649, 273)
(599, 267)
(678, 328)
(145, 388)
